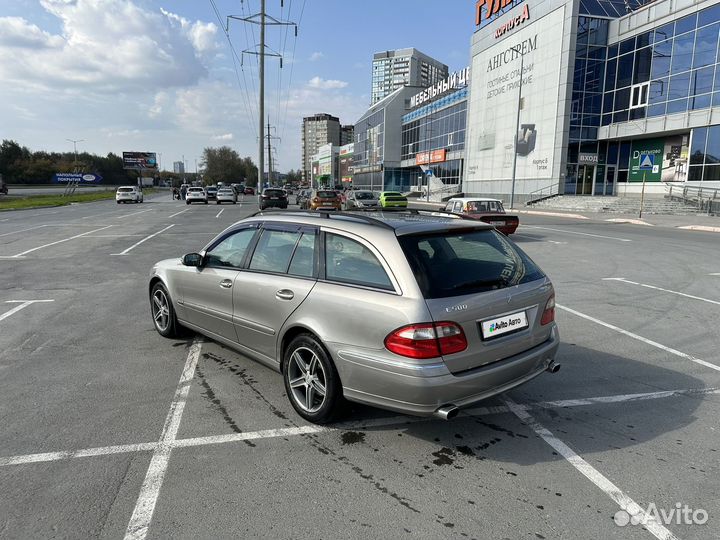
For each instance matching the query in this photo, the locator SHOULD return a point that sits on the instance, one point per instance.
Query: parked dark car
(211, 193)
(273, 198)
(249, 191)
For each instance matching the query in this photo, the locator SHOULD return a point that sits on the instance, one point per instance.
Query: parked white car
(226, 194)
(125, 194)
(196, 194)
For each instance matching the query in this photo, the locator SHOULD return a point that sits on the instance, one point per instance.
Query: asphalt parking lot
(108, 430)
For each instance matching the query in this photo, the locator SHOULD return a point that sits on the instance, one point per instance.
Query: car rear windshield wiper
(499, 282)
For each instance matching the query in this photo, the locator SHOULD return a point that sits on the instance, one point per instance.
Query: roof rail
(327, 215)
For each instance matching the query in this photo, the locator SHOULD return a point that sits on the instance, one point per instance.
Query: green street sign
(646, 160)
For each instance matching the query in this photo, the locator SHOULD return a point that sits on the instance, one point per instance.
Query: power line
(292, 65)
(234, 56)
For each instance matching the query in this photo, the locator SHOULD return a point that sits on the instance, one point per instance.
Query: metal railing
(706, 199)
(543, 193)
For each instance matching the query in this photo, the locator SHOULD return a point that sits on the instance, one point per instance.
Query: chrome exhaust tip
(553, 367)
(446, 412)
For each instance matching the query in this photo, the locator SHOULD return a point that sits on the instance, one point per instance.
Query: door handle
(284, 294)
(226, 283)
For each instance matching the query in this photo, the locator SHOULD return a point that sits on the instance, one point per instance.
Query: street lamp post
(517, 130)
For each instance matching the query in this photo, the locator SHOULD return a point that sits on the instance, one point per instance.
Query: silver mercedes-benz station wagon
(408, 311)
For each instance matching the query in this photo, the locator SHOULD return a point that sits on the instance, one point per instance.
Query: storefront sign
(588, 159)
(514, 22)
(495, 144)
(436, 156)
(458, 79)
(492, 7)
(646, 160)
(365, 169)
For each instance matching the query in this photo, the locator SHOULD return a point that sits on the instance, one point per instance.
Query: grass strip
(39, 201)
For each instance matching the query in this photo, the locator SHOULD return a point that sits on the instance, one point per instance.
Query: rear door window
(348, 261)
(466, 262)
(274, 250)
(326, 194)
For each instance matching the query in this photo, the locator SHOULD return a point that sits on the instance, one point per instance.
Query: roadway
(107, 432)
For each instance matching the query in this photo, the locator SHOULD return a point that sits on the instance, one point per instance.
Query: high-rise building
(318, 130)
(178, 167)
(403, 67)
(346, 134)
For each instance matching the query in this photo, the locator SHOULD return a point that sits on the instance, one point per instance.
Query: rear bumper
(421, 390)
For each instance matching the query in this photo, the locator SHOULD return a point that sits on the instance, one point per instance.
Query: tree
(225, 165)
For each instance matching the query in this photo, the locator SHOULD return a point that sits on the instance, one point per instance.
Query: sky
(159, 76)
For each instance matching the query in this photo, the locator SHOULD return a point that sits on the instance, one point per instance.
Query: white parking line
(143, 240)
(134, 213)
(59, 242)
(623, 280)
(142, 515)
(178, 213)
(220, 212)
(640, 338)
(591, 473)
(24, 230)
(351, 425)
(23, 305)
(579, 233)
(539, 240)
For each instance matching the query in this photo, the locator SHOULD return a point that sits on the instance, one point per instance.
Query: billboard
(495, 136)
(139, 160)
(84, 178)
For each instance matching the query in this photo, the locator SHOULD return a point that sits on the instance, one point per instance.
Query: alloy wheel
(307, 379)
(161, 310)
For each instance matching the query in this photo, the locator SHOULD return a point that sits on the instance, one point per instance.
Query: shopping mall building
(592, 97)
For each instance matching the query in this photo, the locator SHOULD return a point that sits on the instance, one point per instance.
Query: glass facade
(587, 100)
(671, 69)
(439, 125)
(705, 154)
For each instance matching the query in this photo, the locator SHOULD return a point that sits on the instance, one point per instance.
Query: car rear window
(274, 192)
(464, 262)
(195, 190)
(326, 194)
(364, 195)
(125, 190)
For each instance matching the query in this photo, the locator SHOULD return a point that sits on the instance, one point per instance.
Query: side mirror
(192, 259)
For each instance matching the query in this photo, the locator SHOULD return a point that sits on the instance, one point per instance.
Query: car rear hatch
(274, 194)
(497, 220)
(480, 281)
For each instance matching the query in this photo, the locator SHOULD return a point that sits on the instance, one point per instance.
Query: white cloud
(16, 32)
(105, 46)
(326, 84)
(317, 55)
(223, 137)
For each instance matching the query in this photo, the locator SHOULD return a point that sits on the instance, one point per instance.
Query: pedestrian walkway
(698, 222)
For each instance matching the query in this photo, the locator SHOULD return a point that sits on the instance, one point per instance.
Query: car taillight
(427, 340)
(548, 315)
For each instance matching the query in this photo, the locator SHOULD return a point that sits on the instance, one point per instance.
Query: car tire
(206, 202)
(187, 202)
(234, 202)
(311, 380)
(163, 313)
